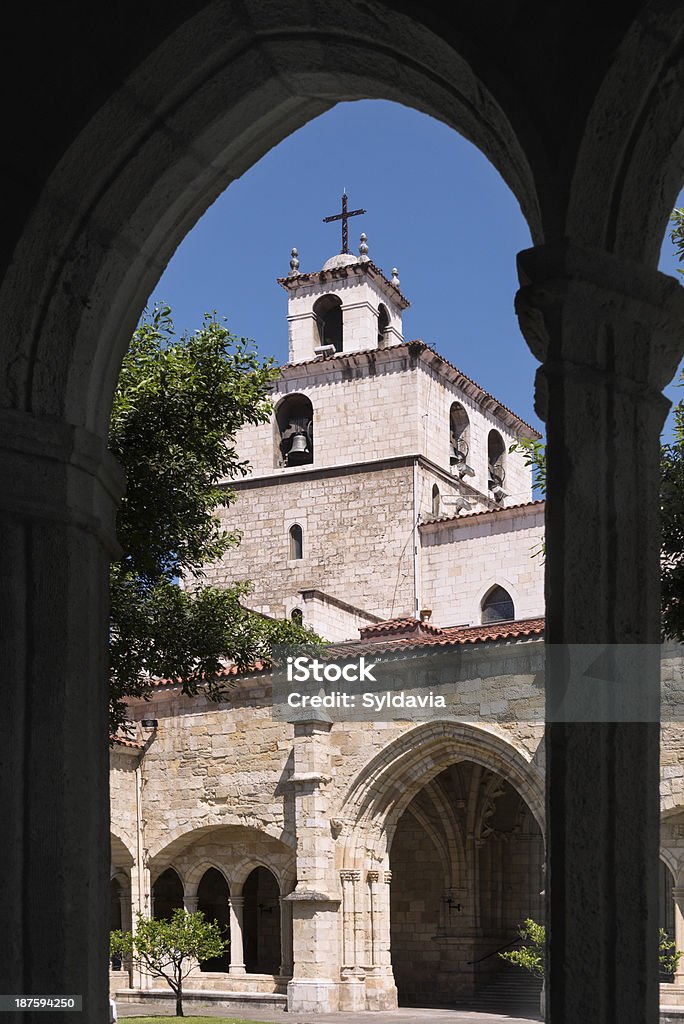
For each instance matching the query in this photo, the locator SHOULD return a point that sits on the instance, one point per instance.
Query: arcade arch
(109, 197)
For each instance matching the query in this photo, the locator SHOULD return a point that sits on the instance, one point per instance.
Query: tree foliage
(177, 409)
(169, 949)
(532, 956)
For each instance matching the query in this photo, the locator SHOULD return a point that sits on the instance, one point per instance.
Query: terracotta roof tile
(125, 742)
(483, 512)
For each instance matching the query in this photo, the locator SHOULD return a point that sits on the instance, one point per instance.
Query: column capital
(567, 290)
(237, 902)
(350, 876)
(61, 473)
(373, 876)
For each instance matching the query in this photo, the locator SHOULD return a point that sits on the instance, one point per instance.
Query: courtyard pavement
(401, 1016)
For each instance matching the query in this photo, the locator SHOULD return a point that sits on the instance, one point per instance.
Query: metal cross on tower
(344, 217)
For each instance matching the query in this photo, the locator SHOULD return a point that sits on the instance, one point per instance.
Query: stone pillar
(315, 901)
(608, 334)
(236, 905)
(285, 938)
(678, 898)
(381, 992)
(352, 989)
(57, 507)
(190, 904)
(142, 902)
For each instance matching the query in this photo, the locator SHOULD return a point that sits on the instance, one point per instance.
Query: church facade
(358, 864)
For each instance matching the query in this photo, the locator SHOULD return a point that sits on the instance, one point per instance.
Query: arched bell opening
(328, 313)
(295, 431)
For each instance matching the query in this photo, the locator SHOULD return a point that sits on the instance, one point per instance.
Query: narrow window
(497, 606)
(436, 500)
(296, 541)
(297, 615)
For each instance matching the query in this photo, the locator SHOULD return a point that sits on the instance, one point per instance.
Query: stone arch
(385, 787)
(121, 855)
(194, 875)
(195, 126)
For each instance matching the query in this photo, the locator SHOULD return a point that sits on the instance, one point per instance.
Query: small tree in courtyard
(170, 949)
(532, 955)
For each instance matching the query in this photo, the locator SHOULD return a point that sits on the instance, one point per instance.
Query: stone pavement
(401, 1016)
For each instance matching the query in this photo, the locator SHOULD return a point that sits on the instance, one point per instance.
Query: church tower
(365, 485)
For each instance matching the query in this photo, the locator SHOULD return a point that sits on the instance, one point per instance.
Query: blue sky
(436, 209)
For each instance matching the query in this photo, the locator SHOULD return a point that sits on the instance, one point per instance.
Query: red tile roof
(482, 512)
(405, 626)
(125, 742)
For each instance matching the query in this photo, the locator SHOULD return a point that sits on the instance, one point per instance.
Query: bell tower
(348, 306)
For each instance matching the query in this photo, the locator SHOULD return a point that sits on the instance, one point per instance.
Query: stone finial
(395, 278)
(363, 248)
(294, 263)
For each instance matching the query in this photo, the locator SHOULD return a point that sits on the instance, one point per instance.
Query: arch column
(678, 900)
(57, 508)
(608, 334)
(285, 970)
(236, 905)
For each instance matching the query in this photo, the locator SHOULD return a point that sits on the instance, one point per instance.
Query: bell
(299, 452)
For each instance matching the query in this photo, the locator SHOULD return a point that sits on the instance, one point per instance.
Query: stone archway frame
(386, 786)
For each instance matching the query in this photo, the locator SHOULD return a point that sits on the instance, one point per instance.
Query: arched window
(383, 324)
(496, 453)
(297, 615)
(436, 500)
(328, 313)
(459, 436)
(497, 606)
(294, 422)
(296, 542)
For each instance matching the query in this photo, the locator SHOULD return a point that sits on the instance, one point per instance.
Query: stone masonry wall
(461, 559)
(357, 540)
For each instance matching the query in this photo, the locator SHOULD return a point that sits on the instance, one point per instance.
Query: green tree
(177, 408)
(532, 956)
(169, 949)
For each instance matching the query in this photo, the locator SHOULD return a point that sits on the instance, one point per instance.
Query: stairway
(511, 991)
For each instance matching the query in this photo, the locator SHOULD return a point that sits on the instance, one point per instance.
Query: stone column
(236, 905)
(190, 904)
(142, 902)
(352, 989)
(285, 938)
(381, 992)
(315, 901)
(678, 898)
(57, 506)
(608, 334)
